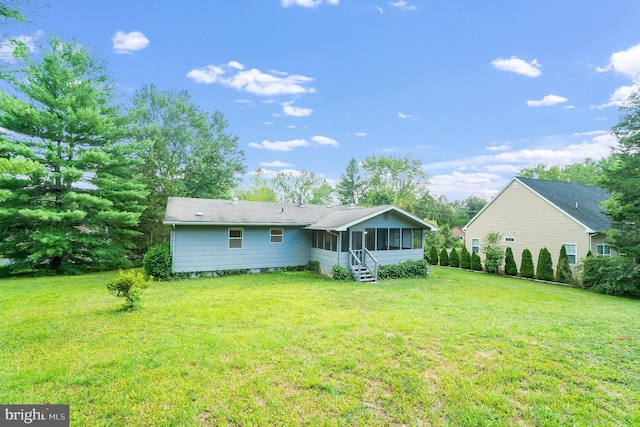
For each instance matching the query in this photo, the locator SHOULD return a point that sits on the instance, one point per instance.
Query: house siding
(206, 248)
(531, 221)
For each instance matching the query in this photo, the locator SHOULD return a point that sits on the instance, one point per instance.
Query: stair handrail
(358, 262)
(375, 262)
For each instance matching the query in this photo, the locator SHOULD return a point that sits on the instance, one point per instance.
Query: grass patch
(458, 348)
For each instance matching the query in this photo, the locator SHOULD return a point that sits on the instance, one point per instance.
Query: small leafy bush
(314, 267)
(454, 258)
(510, 268)
(611, 275)
(476, 262)
(526, 265)
(157, 262)
(340, 273)
(405, 270)
(444, 257)
(494, 253)
(129, 286)
(544, 268)
(465, 258)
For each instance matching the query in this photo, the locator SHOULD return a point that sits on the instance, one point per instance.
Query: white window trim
(281, 235)
(241, 238)
(603, 246)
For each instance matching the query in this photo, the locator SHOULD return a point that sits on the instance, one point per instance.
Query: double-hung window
(572, 250)
(603, 250)
(276, 235)
(475, 246)
(235, 238)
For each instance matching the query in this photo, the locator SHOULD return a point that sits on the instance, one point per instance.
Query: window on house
(327, 241)
(276, 235)
(334, 242)
(475, 246)
(407, 238)
(509, 239)
(603, 250)
(314, 238)
(572, 250)
(417, 238)
(320, 239)
(394, 238)
(235, 238)
(344, 236)
(370, 238)
(383, 239)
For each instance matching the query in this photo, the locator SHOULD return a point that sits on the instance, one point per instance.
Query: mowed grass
(457, 348)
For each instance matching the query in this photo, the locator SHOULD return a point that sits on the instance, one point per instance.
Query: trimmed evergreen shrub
(465, 258)
(544, 268)
(444, 257)
(157, 262)
(563, 269)
(454, 258)
(129, 286)
(611, 275)
(340, 273)
(526, 265)
(433, 255)
(476, 262)
(510, 268)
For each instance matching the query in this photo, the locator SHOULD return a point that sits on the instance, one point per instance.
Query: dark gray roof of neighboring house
(578, 201)
(182, 210)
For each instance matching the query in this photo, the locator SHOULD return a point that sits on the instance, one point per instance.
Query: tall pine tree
(76, 204)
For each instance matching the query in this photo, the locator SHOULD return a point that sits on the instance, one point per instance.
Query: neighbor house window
(383, 239)
(276, 235)
(235, 238)
(475, 246)
(509, 239)
(407, 238)
(571, 249)
(417, 238)
(603, 250)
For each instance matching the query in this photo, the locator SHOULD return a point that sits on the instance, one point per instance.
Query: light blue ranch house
(216, 235)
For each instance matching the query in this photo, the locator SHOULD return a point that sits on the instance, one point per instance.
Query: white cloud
(307, 3)
(323, 140)
(498, 147)
(403, 5)
(519, 66)
(125, 43)
(625, 62)
(547, 101)
(380, 10)
(361, 134)
(280, 145)
(253, 81)
(275, 164)
(7, 46)
(290, 110)
(481, 184)
(293, 144)
(407, 116)
(620, 97)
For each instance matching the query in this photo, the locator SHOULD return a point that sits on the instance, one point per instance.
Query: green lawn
(458, 348)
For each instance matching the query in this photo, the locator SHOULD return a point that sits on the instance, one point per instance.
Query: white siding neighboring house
(215, 235)
(534, 213)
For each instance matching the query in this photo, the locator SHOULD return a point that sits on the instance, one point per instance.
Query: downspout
(172, 245)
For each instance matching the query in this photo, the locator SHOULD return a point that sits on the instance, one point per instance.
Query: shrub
(157, 262)
(476, 262)
(433, 255)
(510, 268)
(340, 273)
(563, 269)
(129, 286)
(405, 270)
(314, 267)
(494, 253)
(454, 258)
(465, 258)
(444, 257)
(611, 275)
(544, 268)
(526, 265)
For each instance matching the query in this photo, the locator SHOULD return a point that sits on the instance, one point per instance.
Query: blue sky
(475, 90)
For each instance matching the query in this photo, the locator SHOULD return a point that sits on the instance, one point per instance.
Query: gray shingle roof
(182, 210)
(578, 201)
